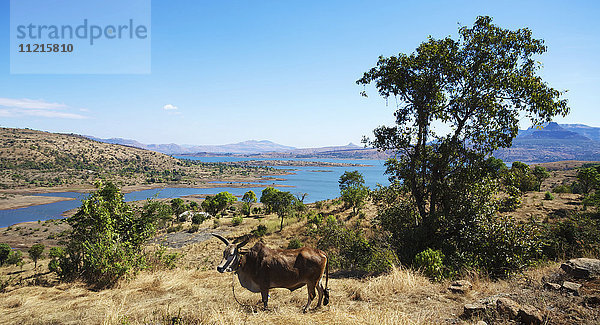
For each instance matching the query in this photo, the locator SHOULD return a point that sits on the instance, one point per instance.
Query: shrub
(199, 218)
(431, 263)
(15, 258)
(55, 254)
(36, 252)
(562, 189)
(294, 243)
(108, 235)
(349, 249)
(4, 252)
(574, 237)
(160, 259)
(548, 196)
(260, 231)
(237, 220)
(193, 229)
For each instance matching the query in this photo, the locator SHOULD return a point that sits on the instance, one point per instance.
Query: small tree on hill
(218, 203)
(4, 252)
(248, 198)
(178, 207)
(35, 253)
(353, 190)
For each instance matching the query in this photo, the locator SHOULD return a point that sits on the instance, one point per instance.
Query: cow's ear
(240, 245)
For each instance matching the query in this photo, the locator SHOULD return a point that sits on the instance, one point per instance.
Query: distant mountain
(246, 147)
(590, 132)
(553, 142)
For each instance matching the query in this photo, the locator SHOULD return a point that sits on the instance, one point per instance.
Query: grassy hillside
(30, 158)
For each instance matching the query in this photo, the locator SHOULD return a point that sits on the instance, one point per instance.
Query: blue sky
(283, 71)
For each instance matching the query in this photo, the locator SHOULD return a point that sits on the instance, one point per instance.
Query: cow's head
(231, 255)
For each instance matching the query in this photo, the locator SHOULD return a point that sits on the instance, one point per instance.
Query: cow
(262, 268)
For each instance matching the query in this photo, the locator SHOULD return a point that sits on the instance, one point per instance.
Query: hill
(30, 158)
(553, 142)
(245, 147)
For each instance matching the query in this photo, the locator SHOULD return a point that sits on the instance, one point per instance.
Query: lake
(320, 183)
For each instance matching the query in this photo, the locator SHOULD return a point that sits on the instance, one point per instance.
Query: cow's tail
(326, 291)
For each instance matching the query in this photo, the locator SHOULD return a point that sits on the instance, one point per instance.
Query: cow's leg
(265, 297)
(320, 290)
(311, 294)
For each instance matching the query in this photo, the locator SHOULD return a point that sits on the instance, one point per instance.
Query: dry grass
(205, 297)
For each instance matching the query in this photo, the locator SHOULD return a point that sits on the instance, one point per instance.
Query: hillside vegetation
(30, 158)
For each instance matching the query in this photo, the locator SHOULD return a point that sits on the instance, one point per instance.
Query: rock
(460, 286)
(508, 307)
(473, 309)
(481, 323)
(530, 315)
(571, 287)
(583, 268)
(552, 286)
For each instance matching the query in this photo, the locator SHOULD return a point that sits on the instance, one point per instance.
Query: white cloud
(10, 107)
(169, 107)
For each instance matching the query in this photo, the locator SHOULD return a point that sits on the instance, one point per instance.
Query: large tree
(477, 87)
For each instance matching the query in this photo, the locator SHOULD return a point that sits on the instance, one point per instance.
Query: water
(320, 183)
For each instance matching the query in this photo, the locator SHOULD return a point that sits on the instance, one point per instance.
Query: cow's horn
(223, 239)
(240, 245)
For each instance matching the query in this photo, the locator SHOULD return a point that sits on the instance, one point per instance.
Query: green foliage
(160, 259)
(431, 263)
(218, 203)
(349, 249)
(548, 196)
(248, 198)
(260, 231)
(199, 218)
(353, 190)
(278, 202)
(246, 209)
(36, 252)
(589, 179)
(294, 243)
(563, 188)
(107, 238)
(55, 254)
(178, 206)
(237, 220)
(4, 252)
(15, 258)
(574, 237)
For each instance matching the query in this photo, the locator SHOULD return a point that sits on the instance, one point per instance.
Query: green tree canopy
(4, 252)
(478, 86)
(218, 203)
(107, 237)
(278, 202)
(248, 198)
(353, 190)
(35, 253)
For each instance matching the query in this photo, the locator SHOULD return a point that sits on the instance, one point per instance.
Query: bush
(294, 243)
(15, 258)
(4, 252)
(548, 196)
(260, 231)
(574, 237)
(161, 260)
(562, 189)
(55, 254)
(349, 249)
(108, 235)
(431, 263)
(199, 218)
(236, 221)
(193, 229)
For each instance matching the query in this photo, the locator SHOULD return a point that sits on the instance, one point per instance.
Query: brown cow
(261, 268)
